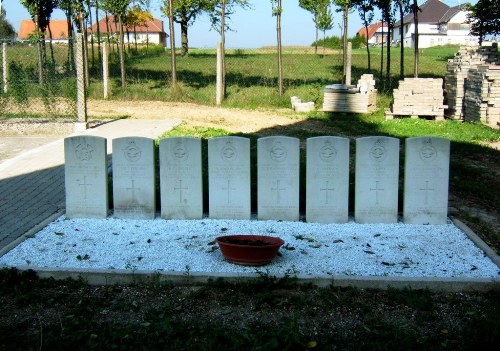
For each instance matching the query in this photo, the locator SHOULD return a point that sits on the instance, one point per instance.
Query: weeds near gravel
(261, 314)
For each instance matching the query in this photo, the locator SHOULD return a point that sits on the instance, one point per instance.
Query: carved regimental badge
(228, 152)
(378, 152)
(132, 152)
(428, 153)
(278, 152)
(327, 152)
(83, 152)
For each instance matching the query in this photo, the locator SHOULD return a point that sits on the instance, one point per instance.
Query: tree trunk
(173, 65)
(344, 43)
(71, 53)
(367, 46)
(85, 48)
(278, 35)
(53, 59)
(415, 49)
(107, 28)
(91, 37)
(382, 53)
(223, 39)
(316, 42)
(121, 51)
(184, 38)
(324, 43)
(401, 38)
(99, 54)
(39, 50)
(388, 63)
(135, 39)
(128, 39)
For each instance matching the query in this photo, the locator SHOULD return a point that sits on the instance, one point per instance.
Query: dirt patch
(232, 120)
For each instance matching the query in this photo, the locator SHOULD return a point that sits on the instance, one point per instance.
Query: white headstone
(181, 185)
(278, 166)
(377, 179)
(229, 178)
(427, 164)
(327, 179)
(86, 177)
(133, 178)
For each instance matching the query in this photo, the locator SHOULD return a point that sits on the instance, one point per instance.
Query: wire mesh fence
(38, 80)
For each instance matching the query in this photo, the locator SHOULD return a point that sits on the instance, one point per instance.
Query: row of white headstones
(426, 178)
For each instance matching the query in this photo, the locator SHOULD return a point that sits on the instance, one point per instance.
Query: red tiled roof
(153, 26)
(371, 30)
(58, 28)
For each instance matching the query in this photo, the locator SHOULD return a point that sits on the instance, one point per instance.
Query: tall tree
(6, 29)
(403, 6)
(415, 9)
(314, 7)
(277, 11)
(185, 12)
(484, 18)
(119, 8)
(136, 16)
(325, 22)
(67, 6)
(365, 10)
(344, 6)
(219, 11)
(40, 12)
(385, 7)
(173, 63)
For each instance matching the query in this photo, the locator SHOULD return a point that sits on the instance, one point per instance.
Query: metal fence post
(81, 93)
(5, 69)
(105, 70)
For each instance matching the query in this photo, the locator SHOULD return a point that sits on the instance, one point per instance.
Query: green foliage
(484, 17)
(335, 42)
(6, 29)
(40, 10)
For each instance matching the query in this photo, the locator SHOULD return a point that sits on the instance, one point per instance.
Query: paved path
(32, 183)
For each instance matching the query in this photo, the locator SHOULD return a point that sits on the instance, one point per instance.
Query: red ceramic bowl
(249, 250)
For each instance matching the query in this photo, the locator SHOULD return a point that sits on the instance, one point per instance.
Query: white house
(376, 34)
(151, 31)
(438, 24)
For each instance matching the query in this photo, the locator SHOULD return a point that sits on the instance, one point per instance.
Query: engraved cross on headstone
(85, 185)
(180, 188)
(327, 190)
(376, 189)
(228, 190)
(133, 189)
(278, 190)
(426, 189)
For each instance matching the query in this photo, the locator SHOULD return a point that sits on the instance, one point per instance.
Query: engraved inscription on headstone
(86, 177)
(427, 164)
(229, 178)
(377, 179)
(133, 178)
(278, 178)
(327, 179)
(181, 185)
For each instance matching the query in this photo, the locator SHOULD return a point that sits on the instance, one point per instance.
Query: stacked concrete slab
(482, 95)
(456, 73)
(361, 98)
(418, 97)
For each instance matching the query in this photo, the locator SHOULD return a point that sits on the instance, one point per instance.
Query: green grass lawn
(252, 75)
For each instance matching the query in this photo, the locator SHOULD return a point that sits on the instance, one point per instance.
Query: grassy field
(252, 75)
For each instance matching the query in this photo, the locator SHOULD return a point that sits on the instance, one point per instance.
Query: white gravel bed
(389, 250)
